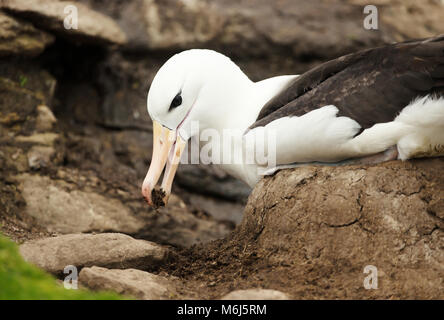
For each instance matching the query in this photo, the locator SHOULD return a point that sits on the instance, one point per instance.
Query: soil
(217, 268)
(13, 223)
(158, 195)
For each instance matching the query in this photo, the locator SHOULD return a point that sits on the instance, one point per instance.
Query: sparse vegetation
(23, 81)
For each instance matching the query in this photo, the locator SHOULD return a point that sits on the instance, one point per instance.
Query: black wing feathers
(370, 86)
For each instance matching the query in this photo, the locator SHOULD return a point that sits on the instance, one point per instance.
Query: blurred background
(75, 136)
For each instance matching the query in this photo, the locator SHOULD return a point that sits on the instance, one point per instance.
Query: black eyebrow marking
(177, 101)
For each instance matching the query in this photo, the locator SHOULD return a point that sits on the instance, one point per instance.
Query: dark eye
(177, 101)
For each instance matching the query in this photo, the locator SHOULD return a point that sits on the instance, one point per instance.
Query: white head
(190, 86)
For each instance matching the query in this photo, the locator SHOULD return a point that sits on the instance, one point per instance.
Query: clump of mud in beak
(157, 198)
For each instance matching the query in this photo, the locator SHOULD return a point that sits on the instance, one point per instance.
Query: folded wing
(370, 86)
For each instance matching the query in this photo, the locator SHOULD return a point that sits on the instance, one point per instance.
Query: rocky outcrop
(91, 27)
(264, 28)
(23, 87)
(111, 250)
(27, 135)
(19, 37)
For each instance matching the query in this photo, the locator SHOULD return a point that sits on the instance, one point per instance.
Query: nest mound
(310, 232)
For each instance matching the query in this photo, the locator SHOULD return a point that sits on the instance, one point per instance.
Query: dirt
(158, 195)
(215, 269)
(20, 231)
(13, 222)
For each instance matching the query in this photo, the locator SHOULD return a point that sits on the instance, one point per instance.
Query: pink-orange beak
(167, 149)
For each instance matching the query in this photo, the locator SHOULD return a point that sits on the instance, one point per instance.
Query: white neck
(244, 100)
(241, 108)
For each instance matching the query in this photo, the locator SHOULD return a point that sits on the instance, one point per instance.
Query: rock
(219, 209)
(46, 139)
(19, 37)
(256, 294)
(114, 158)
(179, 24)
(83, 104)
(261, 28)
(112, 250)
(176, 226)
(93, 27)
(14, 159)
(28, 79)
(209, 180)
(125, 83)
(43, 150)
(61, 207)
(153, 24)
(23, 87)
(25, 120)
(323, 225)
(40, 156)
(133, 148)
(134, 283)
(45, 119)
(73, 203)
(409, 18)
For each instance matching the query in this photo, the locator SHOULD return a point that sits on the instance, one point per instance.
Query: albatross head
(190, 86)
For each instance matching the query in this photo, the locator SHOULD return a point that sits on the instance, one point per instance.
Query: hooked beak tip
(146, 193)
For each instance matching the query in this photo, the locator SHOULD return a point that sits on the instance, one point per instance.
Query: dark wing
(370, 86)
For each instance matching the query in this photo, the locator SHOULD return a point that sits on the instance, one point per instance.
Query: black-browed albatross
(358, 105)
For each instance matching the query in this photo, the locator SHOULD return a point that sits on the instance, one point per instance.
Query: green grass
(20, 280)
(23, 81)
